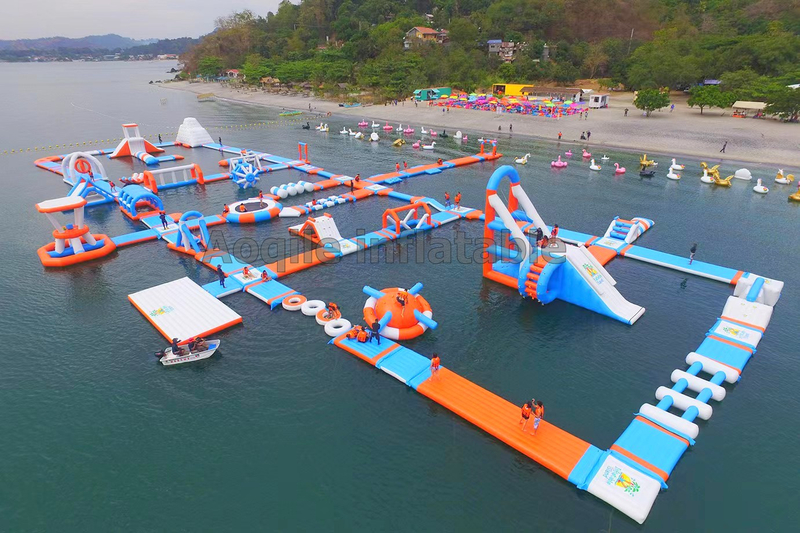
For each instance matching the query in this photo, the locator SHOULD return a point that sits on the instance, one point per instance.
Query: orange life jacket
(539, 412)
(362, 336)
(435, 362)
(526, 411)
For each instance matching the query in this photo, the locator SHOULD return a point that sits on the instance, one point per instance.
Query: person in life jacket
(260, 198)
(333, 311)
(353, 333)
(526, 414)
(435, 362)
(402, 299)
(362, 336)
(554, 232)
(446, 199)
(458, 199)
(241, 208)
(246, 272)
(225, 210)
(265, 276)
(538, 415)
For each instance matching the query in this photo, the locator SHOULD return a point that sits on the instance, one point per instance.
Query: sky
(138, 19)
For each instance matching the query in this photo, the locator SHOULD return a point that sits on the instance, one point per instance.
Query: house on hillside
(232, 73)
(507, 51)
(421, 35)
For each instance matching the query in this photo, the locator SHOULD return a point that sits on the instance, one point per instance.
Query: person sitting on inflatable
(353, 333)
(332, 311)
(362, 336)
(246, 274)
(225, 210)
(264, 276)
(241, 208)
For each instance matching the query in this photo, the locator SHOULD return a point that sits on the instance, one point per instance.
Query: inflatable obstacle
(323, 230)
(137, 202)
(168, 178)
(134, 145)
(188, 242)
(73, 242)
(627, 230)
(560, 271)
(253, 210)
(192, 135)
(402, 314)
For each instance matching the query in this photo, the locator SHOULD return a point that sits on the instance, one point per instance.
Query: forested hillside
(749, 44)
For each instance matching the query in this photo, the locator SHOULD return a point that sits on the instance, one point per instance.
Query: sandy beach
(682, 132)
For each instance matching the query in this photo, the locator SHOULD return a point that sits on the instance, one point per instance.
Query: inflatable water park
(539, 260)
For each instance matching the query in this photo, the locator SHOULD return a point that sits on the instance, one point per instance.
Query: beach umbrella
(567, 101)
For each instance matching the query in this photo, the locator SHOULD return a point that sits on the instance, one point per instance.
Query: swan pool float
(604, 158)
(743, 174)
(559, 163)
(429, 146)
(586, 154)
(374, 137)
(705, 178)
(672, 175)
(387, 127)
(422, 130)
(522, 160)
(568, 153)
(457, 135)
(713, 172)
(375, 124)
(399, 128)
(676, 166)
(344, 131)
(363, 124)
(351, 132)
(779, 177)
(618, 169)
(594, 166)
(415, 145)
(759, 188)
(481, 140)
(408, 131)
(644, 173)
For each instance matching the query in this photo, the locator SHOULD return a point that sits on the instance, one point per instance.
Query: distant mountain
(110, 41)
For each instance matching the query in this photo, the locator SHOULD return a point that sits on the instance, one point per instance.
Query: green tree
(648, 100)
(784, 102)
(463, 33)
(704, 96)
(595, 60)
(210, 66)
(256, 67)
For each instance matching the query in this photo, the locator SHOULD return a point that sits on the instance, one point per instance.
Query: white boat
(169, 359)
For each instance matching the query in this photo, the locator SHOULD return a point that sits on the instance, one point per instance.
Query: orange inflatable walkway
(296, 263)
(551, 447)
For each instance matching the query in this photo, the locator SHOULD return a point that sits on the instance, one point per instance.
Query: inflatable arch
(132, 197)
(72, 169)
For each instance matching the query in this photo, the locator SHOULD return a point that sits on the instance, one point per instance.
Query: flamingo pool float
(559, 163)
(433, 133)
(464, 138)
(618, 169)
(363, 124)
(568, 153)
(408, 131)
(586, 154)
(415, 145)
(387, 127)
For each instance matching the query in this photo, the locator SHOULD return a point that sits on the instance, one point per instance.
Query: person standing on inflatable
(538, 415)
(435, 362)
(221, 275)
(163, 217)
(526, 415)
(692, 251)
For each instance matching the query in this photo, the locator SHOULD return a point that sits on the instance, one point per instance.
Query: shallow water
(281, 431)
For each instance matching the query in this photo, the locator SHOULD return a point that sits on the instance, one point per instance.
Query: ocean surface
(279, 430)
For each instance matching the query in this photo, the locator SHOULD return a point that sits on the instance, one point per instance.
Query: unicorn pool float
(375, 125)
(644, 162)
(373, 138)
(618, 169)
(319, 127)
(415, 145)
(387, 127)
(324, 129)
(726, 182)
(429, 146)
(604, 158)
(363, 124)
(759, 188)
(779, 178)
(672, 175)
(344, 131)
(586, 155)
(796, 196)
(358, 135)
(594, 166)
(399, 142)
(409, 130)
(458, 135)
(522, 160)
(568, 153)
(559, 163)
(676, 166)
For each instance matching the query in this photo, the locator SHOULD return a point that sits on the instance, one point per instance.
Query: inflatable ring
(293, 303)
(321, 320)
(83, 166)
(337, 326)
(311, 307)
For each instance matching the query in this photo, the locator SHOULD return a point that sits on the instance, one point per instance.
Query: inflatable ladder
(532, 276)
(620, 229)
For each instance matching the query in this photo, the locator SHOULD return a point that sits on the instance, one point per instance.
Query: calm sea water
(281, 431)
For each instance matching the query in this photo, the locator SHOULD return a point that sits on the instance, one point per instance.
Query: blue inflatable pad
(218, 291)
(403, 364)
(582, 472)
(724, 353)
(652, 445)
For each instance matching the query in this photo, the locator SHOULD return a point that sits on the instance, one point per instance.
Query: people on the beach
(692, 251)
(583, 135)
(725, 145)
(163, 216)
(221, 275)
(499, 128)
(510, 128)
(588, 135)
(559, 135)
(626, 111)
(672, 108)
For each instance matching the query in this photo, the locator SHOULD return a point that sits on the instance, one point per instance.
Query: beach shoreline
(671, 134)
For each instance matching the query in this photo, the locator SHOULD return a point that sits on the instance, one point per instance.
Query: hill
(110, 41)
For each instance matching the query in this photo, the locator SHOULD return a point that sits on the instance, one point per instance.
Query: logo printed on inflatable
(736, 333)
(592, 271)
(614, 476)
(163, 310)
